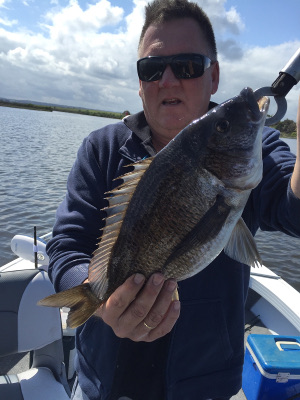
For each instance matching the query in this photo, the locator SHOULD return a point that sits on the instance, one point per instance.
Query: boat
(272, 320)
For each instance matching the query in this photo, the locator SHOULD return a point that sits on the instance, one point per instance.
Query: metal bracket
(288, 77)
(282, 377)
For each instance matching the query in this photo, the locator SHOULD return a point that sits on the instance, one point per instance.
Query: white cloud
(7, 22)
(75, 22)
(2, 3)
(86, 56)
(258, 67)
(223, 21)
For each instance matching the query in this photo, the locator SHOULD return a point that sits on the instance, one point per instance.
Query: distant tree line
(28, 106)
(287, 128)
(74, 110)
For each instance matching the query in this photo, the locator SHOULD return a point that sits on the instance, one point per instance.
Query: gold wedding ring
(147, 326)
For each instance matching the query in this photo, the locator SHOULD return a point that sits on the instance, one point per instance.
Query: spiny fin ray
(118, 199)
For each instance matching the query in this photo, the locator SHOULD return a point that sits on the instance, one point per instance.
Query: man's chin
(175, 122)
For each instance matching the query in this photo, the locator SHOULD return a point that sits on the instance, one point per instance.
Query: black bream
(178, 210)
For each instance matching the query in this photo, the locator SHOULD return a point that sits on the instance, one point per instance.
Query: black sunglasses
(184, 66)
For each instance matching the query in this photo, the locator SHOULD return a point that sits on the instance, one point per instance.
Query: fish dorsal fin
(119, 199)
(242, 247)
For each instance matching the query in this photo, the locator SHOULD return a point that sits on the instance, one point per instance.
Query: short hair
(159, 11)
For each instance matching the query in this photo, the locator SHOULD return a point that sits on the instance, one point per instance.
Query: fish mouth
(263, 104)
(258, 108)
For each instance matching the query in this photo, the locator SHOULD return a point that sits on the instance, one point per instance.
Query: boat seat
(27, 327)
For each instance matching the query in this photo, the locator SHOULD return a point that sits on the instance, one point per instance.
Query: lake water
(37, 150)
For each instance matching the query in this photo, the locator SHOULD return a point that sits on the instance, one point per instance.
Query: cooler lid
(276, 353)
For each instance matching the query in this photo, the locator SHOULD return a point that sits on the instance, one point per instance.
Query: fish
(175, 212)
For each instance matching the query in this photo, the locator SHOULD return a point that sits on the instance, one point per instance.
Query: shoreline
(72, 110)
(91, 112)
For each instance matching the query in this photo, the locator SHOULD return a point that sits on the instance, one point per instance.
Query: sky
(83, 53)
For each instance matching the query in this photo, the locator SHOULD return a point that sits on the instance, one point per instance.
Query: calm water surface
(37, 151)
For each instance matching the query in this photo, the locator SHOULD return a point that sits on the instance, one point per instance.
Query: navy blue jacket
(203, 355)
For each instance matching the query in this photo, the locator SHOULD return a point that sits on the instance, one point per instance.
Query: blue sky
(83, 53)
(268, 22)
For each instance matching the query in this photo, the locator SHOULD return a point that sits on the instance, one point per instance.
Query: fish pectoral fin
(242, 247)
(81, 301)
(207, 229)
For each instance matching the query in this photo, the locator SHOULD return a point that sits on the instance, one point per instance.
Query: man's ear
(215, 74)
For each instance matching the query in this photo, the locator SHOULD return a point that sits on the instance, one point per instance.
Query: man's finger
(119, 301)
(165, 326)
(161, 315)
(140, 306)
(162, 304)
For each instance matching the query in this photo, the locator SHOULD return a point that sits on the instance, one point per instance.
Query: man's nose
(168, 78)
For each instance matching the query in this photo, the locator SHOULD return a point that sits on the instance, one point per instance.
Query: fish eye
(222, 126)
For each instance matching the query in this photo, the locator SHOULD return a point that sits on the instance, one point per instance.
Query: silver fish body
(177, 211)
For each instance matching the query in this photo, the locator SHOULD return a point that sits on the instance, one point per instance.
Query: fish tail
(81, 301)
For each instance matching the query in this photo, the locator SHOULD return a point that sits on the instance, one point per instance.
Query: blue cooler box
(272, 367)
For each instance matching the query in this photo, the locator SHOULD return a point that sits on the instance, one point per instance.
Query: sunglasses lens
(150, 69)
(187, 67)
(184, 66)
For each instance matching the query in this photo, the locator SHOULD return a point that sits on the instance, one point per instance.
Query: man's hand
(295, 181)
(142, 312)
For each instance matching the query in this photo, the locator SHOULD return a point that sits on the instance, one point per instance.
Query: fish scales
(178, 210)
(156, 220)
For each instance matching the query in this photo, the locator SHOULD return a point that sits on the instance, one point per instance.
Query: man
(145, 346)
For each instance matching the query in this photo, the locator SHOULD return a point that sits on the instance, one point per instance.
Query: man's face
(170, 104)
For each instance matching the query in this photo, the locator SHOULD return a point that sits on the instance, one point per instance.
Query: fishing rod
(35, 248)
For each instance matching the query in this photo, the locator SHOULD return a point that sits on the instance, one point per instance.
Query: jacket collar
(138, 144)
(141, 135)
